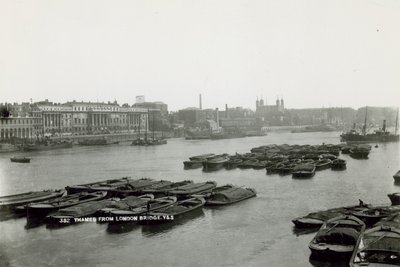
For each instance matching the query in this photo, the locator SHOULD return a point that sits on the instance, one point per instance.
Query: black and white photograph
(200, 133)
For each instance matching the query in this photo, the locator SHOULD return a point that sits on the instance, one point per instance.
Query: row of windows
(76, 120)
(17, 121)
(96, 108)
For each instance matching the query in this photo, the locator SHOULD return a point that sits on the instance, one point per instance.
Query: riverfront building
(73, 118)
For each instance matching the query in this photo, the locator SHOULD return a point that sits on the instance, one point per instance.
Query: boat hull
(41, 147)
(20, 160)
(394, 198)
(26, 198)
(170, 213)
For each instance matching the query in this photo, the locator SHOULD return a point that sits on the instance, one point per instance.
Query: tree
(4, 112)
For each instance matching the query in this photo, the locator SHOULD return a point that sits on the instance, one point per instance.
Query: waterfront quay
(255, 232)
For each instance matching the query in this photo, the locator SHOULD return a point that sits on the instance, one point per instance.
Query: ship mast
(364, 131)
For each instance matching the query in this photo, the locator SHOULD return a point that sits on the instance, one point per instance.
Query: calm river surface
(255, 232)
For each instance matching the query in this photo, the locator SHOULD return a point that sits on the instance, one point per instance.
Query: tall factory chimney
(217, 111)
(200, 106)
(226, 110)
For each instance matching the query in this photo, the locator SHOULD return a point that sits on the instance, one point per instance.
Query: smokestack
(217, 116)
(384, 126)
(226, 110)
(200, 106)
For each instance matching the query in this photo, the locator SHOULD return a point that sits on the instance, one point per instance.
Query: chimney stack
(200, 105)
(226, 110)
(216, 110)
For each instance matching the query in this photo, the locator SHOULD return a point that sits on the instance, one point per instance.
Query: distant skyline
(312, 53)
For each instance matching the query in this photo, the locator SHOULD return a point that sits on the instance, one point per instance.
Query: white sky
(313, 53)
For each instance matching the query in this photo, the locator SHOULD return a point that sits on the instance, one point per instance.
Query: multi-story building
(18, 127)
(74, 118)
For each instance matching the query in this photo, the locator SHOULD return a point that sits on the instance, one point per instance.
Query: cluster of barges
(122, 198)
(297, 160)
(363, 234)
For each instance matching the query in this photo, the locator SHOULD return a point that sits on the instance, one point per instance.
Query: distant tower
(262, 102)
(200, 104)
(282, 104)
(257, 103)
(277, 102)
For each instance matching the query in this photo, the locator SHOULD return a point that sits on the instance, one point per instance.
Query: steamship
(381, 135)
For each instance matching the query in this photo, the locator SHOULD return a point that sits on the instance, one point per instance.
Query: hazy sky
(312, 53)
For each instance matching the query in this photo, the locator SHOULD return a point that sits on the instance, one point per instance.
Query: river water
(255, 232)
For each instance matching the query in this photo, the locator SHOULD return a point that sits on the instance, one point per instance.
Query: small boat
(391, 221)
(323, 164)
(232, 163)
(134, 187)
(148, 142)
(396, 177)
(284, 169)
(273, 168)
(12, 201)
(90, 187)
(346, 149)
(191, 189)
(360, 151)
(373, 214)
(303, 171)
(197, 161)
(394, 198)
(127, 203)
(150, 205)
(317, 219)
(20, 159)
(41, 209)
(378, 246)
(173, 211)
(165, 188)
(192, 164)
(261, 164)
(337, 238)
(70, 214)
(215, 162)
(46, 145)
(229, 194)
(338, 164)
(203, 156)
(249, 163)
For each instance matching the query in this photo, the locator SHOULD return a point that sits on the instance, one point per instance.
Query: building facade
(73, 118)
